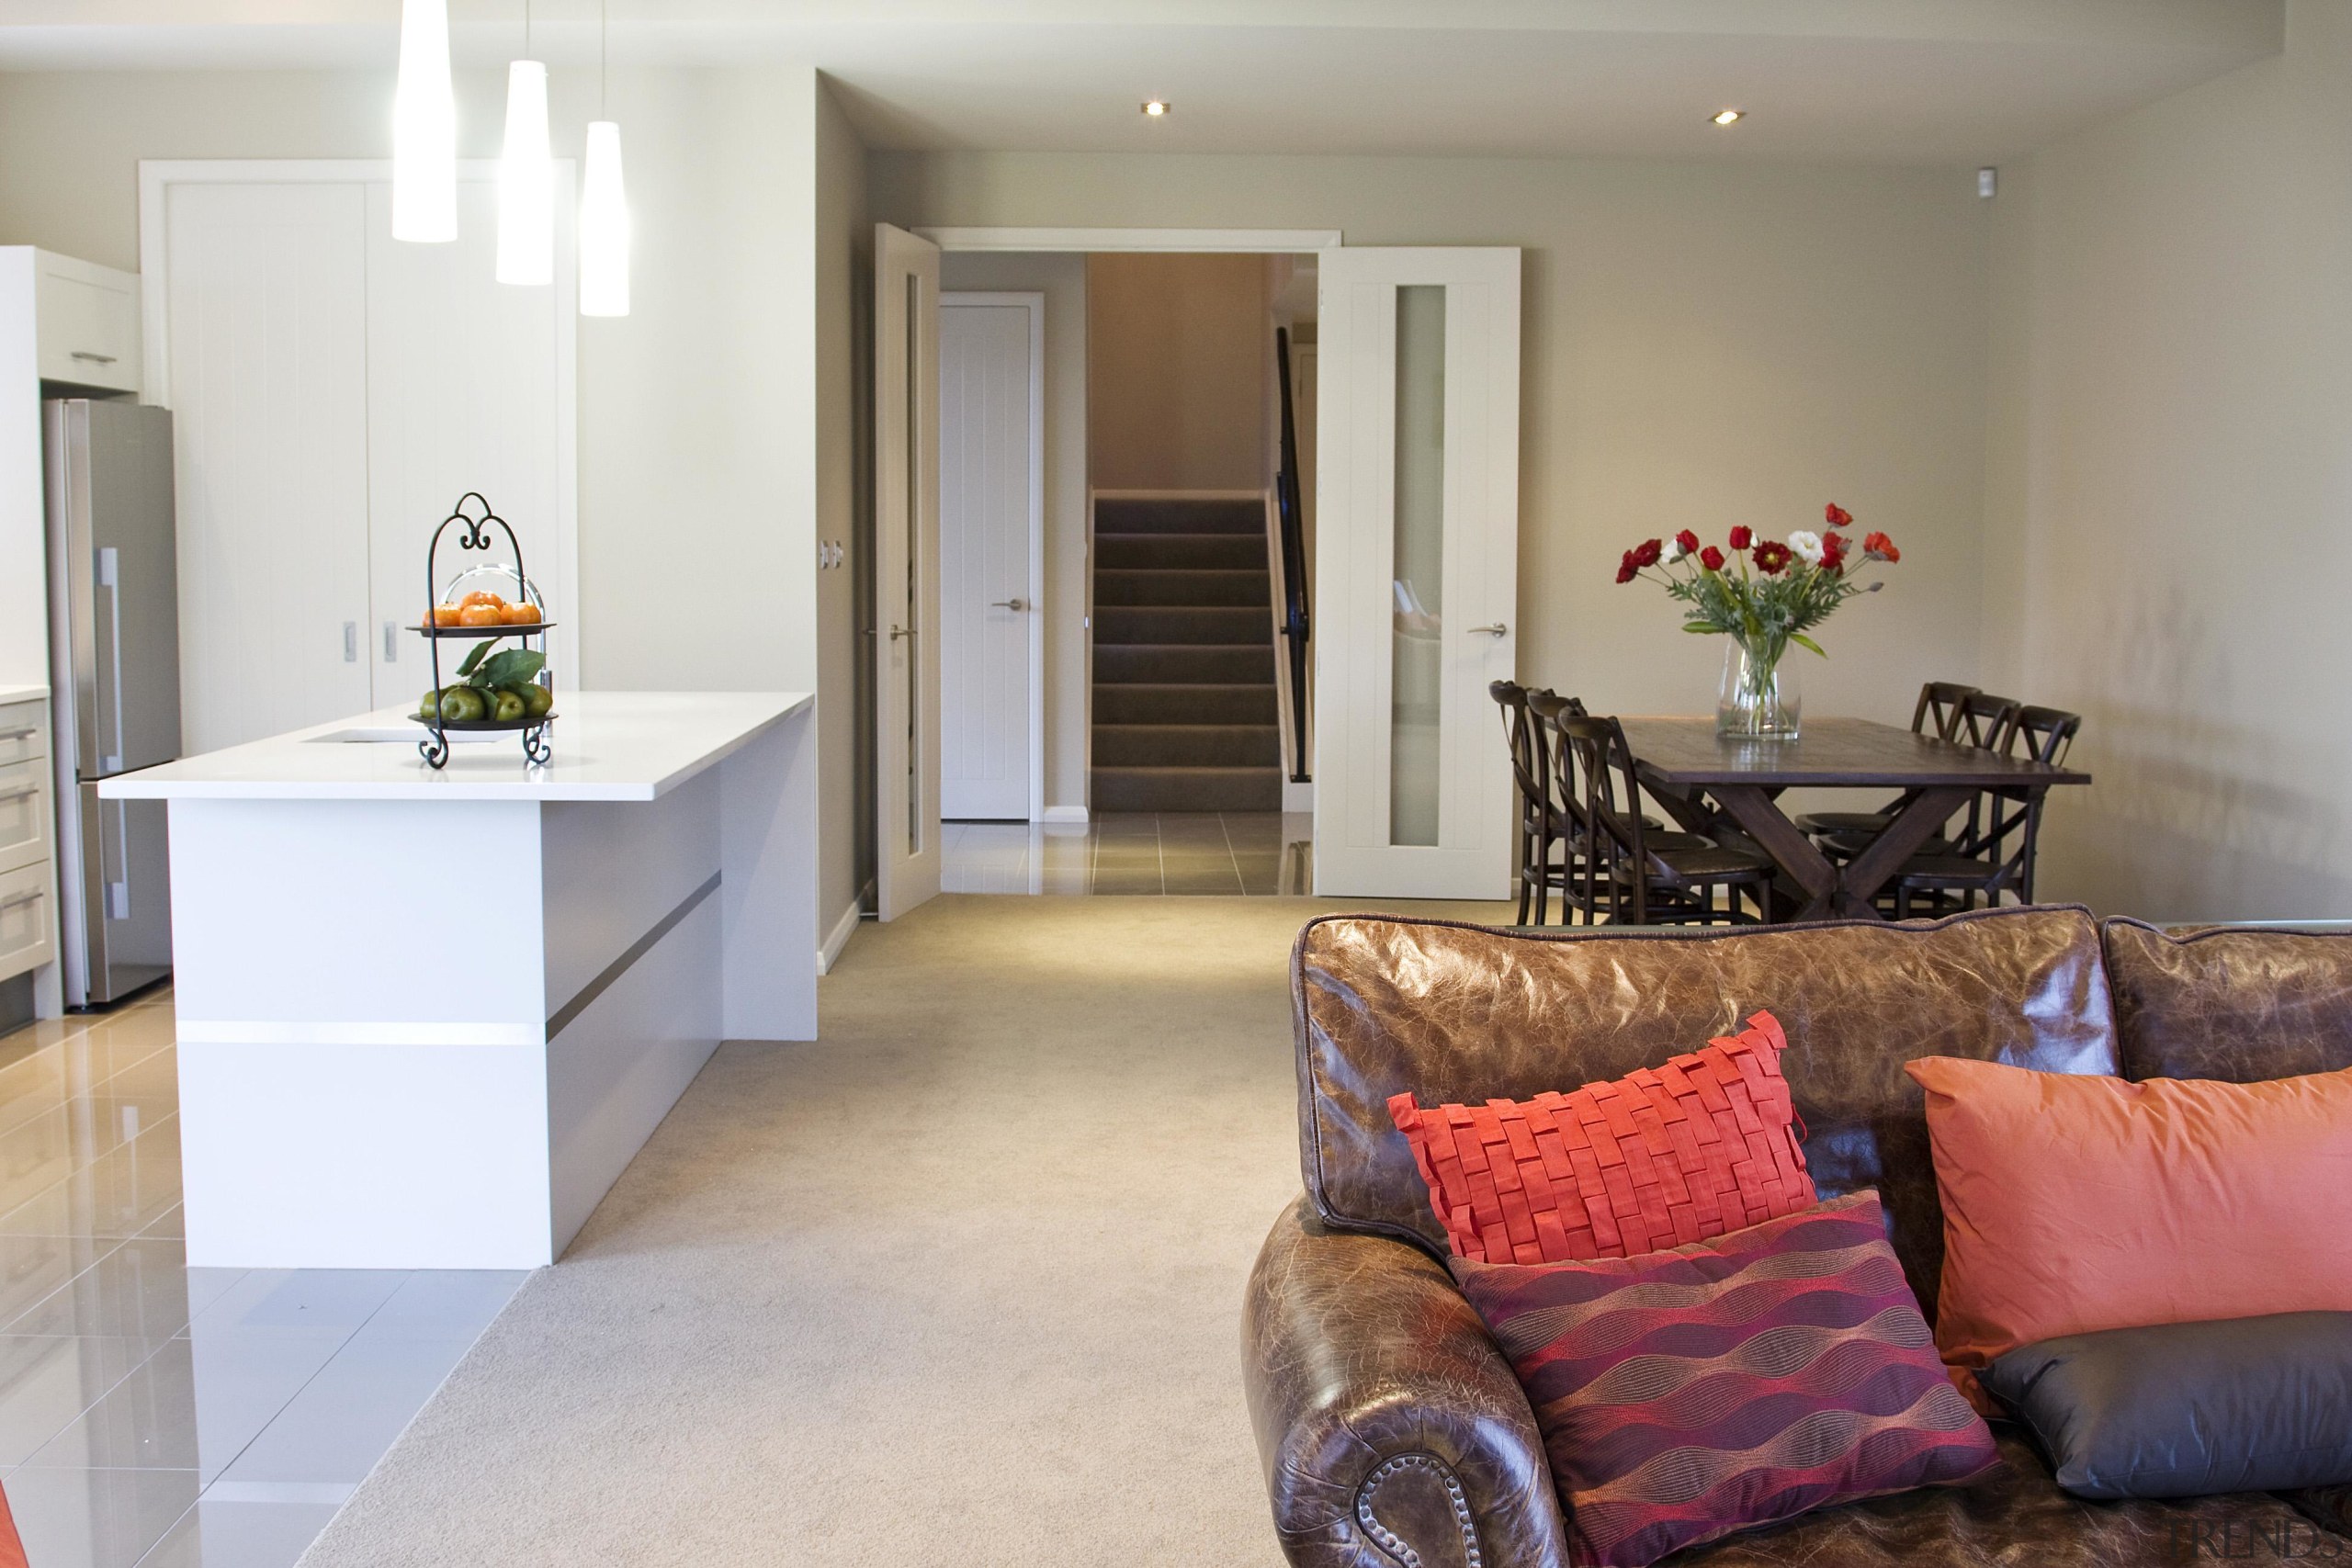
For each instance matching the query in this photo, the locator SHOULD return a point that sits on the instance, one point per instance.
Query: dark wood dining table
(1709, 785)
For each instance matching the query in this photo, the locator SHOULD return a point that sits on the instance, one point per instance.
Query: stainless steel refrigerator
(115, 680)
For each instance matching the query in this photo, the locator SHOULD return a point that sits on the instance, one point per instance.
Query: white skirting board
(1064, 816)
(838, 938)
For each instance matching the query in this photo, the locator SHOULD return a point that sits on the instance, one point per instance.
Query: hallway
(1202, 854)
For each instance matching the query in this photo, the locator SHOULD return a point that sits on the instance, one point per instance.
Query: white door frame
(997, 237)
(157, 176)
(1033, 301)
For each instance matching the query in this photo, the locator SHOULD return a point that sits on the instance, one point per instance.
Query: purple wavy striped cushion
(1732, 1383)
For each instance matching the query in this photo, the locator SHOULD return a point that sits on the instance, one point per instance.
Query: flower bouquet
(1764, 594)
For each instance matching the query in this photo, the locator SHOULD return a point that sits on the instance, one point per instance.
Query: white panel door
(470, 387)
(906, 571)
(267, 324)
(992, 555)
(1417, 570)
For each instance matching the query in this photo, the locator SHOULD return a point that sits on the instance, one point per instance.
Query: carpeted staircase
(1184, 658)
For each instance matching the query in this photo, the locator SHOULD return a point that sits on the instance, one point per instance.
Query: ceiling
(1925, 82)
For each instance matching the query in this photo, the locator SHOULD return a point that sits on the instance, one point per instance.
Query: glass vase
(1759, 699)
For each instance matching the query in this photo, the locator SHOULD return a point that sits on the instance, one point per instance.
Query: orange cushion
(2073, 1203)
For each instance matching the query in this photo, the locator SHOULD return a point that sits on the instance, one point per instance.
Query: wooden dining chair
(1997, 856)
(1937, 713)
(1624, 863)
(1538, 815)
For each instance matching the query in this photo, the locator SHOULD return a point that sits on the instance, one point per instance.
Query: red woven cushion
(1661, 1158)
(1738, 1381)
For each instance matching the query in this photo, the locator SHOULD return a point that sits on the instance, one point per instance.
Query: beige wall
(1177, 351)
(1062, 280)
(2171, 480)
(1705, 345)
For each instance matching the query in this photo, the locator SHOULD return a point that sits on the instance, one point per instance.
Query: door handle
(898, 632)
(1008, 603)
(1498, 629)
(392, 642)
(351, 642)
(88, 357)
(110, 578)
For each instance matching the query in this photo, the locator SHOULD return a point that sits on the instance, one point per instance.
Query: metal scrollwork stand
(474, 535)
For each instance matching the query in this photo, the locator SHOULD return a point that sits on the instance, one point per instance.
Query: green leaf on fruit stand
(475, 657)
(514, 669)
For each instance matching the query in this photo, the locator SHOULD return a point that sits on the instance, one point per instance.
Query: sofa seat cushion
(1701, 1145)
(1384, 1006)
(1732, 1383)
(2018, 1519)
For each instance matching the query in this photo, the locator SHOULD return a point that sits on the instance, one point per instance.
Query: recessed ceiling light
(1726, 117)
(1155, 109)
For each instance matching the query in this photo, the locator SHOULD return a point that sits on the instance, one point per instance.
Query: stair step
(1185, 587)
(1180, 517)
(1180, 663)
(1186, 789)
(1164, 623)
(1231, 552)
(1187, 746)
(1184, 703)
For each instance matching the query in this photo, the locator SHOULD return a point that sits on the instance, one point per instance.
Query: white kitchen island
(425, 1018)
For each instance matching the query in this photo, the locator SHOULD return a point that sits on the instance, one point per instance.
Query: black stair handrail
(1293, 528)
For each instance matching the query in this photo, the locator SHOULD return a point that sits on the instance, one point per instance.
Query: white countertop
(21, 693)
(608, 746)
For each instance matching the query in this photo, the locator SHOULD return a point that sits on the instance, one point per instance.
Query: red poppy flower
(1626, 570)
(1741, 537)
(1648, 552)
(1712, 559)
(1773, 557)
(1833, 553)
(1880, 547)
(1688, 541)
(1837, 517)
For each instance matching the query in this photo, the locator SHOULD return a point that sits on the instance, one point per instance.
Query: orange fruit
(479, 615)
(483, 596)
(445, 615)
(520, 614)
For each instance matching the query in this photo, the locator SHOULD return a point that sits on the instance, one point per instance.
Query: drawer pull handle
(20, 794)
(33, 897)
(83, 353)
(27, 732)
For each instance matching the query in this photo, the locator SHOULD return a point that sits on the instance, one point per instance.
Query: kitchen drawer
(87, 324)
(24, 731)
(24, 919)
(24, 813)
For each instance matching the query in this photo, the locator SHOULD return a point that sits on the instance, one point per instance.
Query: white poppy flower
(1808, 547)
(1674, 551)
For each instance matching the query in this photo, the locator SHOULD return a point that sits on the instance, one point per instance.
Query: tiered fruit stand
(474, 535)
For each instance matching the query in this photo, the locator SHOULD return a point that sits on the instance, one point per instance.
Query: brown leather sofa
(1392, 1430)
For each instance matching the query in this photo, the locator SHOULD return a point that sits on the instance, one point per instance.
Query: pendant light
(425, 128)
(527, 175)
(604, 203)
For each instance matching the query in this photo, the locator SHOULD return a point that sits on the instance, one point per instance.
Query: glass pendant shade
(526, 180)
(425, 128)
(604, 226)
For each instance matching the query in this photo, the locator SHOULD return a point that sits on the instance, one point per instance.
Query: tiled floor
(163, 1416)
(1206, 853)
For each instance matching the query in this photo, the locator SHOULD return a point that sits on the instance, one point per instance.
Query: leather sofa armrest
(1391, 1428)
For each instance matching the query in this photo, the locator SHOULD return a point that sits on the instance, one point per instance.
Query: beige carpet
(957, 1284)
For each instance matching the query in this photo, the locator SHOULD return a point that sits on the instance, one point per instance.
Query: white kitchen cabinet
(335, 392)
(27, 887)
(87, 320)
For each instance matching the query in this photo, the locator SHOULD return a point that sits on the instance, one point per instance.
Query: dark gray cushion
(2189, 1409)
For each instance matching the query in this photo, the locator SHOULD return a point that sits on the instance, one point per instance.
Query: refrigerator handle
(110, 578)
